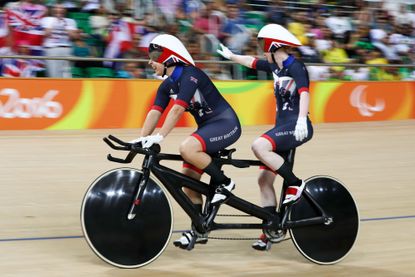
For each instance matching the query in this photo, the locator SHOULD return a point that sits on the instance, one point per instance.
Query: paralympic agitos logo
(359, 101)
(38, 107)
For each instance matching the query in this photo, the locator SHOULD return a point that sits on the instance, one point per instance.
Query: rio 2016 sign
(102, 103)
(37, 107)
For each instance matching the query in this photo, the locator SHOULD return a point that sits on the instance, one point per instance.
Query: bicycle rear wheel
(114, 238)
(321, 243)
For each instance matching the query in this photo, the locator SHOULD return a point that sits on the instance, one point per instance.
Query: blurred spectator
(119, 38)
(380, 73)
(307, 52)
(82, 49)
(383, 21)
(297, 26)
(379, 39)
(191, 6)
(140, 7)
(136, 50)
(24, 19)
(336, 54)
(168, 9)
(358, 43)
(70, 5)
(99, 24)
(277, 13)
(235, 34)
(99, 21)
(325, 41)
(183, 21)
(402, 40)
(148, 29)
(339, 24)
(207, 22)
(130, 70)
(363, 13)
(316, 27)
(402, 15)
(89, 5)
(251, 49)
(59, 31)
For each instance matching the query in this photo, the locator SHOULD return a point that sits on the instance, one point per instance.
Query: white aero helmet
(274, 36)
(169, 50)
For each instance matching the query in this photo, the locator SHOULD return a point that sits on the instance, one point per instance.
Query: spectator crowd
(363, 32)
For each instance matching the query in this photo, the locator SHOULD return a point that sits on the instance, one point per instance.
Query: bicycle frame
(174, 181)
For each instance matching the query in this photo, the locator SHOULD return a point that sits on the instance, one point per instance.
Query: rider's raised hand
(301, 130)
(224, 51)
(148, 141)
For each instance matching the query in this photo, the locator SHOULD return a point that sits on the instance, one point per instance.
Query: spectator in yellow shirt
(336, 54)
(380, 73)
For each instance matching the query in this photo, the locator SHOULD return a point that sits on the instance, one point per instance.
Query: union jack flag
(25, 20)
(119, 39)
(4, 30)
(20, 68)
(193, 79)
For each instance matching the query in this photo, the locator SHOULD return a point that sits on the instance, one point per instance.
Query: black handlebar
(134, 148)
(224, 156)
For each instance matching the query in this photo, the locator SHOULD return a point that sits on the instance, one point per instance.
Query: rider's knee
(256, 147)
(184, 150)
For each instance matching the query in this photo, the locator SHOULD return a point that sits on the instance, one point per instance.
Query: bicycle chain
(225, 238)
(229, 238)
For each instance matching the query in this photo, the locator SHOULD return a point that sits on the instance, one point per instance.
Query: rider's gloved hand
(301, 130)
(224, 51)
(148, 141)
(137, 140)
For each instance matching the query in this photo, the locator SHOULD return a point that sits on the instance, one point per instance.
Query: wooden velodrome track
(44, 175)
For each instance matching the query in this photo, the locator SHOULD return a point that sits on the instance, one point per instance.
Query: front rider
(217, 123)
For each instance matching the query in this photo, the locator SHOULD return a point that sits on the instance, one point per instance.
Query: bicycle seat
(224, 153)
(224, 156)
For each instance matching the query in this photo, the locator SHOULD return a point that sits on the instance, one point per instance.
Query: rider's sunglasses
(154, 52)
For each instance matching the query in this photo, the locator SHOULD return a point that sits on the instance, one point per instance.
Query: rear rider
(292, 125)
(191, 91)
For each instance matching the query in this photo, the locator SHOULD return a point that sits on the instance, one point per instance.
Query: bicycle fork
(142, 184)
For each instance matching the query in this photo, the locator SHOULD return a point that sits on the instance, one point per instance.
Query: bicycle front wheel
(321, 243)
(110, 234)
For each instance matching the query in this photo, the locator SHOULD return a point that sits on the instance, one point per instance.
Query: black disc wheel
(110, 234)
(325, 243)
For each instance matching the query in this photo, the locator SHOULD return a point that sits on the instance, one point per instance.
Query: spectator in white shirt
(59, 31)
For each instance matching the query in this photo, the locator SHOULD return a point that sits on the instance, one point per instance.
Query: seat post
(290, 157)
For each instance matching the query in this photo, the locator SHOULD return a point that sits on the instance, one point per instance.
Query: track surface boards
(44, 175)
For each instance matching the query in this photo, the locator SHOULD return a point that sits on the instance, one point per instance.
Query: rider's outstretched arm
(241, 59)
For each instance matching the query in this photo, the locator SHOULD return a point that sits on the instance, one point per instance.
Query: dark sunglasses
(155, 51)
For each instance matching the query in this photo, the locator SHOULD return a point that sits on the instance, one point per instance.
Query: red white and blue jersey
(289, 82)
(191, 88)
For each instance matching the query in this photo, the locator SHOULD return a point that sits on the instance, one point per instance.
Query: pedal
(192, 243)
